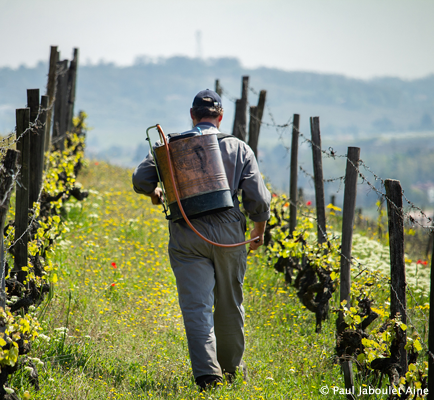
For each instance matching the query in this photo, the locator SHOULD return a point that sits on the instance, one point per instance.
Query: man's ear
(191, 113)
(220, 118)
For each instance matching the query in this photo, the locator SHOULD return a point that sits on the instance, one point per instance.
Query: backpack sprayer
(192, 177)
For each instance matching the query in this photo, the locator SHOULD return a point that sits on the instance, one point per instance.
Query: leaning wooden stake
(430, 240)
(7, 172)
(398, 297)
(349, 209)
(294, 174)
(71, 85)
(218, 88)
(256, 113)
(253, 125)
(333, 199)
(60, 106)
(319, 180)
(33, 104)
(431, 331)
(37, 147)
(240, 121)
(22, 197)
(51, 88)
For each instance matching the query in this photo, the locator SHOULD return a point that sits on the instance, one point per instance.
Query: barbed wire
(400, 210)
(272, 125)
(354, 262)
(331, 153)
(31, 221)
(59, 138)
(412, 205)
(33, 210)
(14, 177)
(36, 123)
(340, 178)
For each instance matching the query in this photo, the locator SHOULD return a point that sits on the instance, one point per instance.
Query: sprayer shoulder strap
(225, 135)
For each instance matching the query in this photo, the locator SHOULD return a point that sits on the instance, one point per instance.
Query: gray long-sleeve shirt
(241, 169)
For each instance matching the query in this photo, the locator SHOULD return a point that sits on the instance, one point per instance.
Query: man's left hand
(157, 196)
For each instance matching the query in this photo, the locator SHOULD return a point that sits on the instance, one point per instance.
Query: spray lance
(200, 145)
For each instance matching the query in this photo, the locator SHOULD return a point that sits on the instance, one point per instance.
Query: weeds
(113, 328)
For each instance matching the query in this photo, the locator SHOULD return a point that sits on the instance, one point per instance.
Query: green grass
(125, 335)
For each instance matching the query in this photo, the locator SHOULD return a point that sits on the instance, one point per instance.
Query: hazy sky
(363, 38)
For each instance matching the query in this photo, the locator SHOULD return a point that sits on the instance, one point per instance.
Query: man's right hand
(157, 196)
(258, 231)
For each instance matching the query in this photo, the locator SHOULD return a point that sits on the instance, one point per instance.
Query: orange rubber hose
(175, 189)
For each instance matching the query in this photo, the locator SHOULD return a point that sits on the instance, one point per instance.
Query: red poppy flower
(274, 195)
(113, 284)
(96, 162)
(114, 265)
(309, 203)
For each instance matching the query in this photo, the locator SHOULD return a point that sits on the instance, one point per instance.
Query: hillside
(392, 120)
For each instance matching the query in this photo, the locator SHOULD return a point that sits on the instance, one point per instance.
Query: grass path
(125, 338)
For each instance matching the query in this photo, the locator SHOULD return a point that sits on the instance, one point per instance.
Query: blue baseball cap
(207, 98)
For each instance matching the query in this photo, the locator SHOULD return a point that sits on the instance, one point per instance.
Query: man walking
(207, 275)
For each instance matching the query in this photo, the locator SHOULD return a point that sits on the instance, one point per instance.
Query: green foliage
(114, 328)
(17, 328)
(45, 227)
(368, 285)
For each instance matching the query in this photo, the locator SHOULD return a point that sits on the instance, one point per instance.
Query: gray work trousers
(208, 276)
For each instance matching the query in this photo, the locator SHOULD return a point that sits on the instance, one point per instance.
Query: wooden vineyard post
(44, 121)
(240, 121)
(60, 106)
(430, 240)
(398, 297)
(33, 104)
(294, 174)
(37, 150)
(253, 124)
(51, 88)
(319, 181)
(333, 198)
(431, 331)
(256, 113)
(22, 196)
(71, 85)
(218, 88)
(349, 209)
(348, 215)
(7, 171)
(239, 130)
